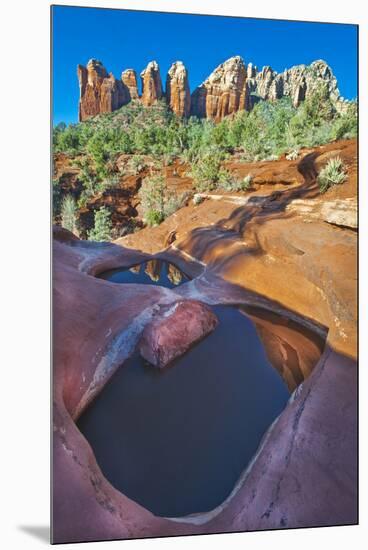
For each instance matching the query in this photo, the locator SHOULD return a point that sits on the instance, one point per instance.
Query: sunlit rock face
(223, 92)
(151, 84)
(100, 92)
(231, 87)
(177, 89)
(129, 79)
(174, 330)
(298, 82)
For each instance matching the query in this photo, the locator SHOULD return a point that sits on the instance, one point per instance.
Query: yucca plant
(332, 174)
(247, 182)
(292, 154)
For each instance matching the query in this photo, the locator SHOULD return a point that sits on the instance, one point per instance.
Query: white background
(25, 274)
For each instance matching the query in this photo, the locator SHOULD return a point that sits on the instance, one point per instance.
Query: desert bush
(333, 173)
(152, 195)
(174, 202)
(247, 182)
(102, 226)
(111, 182)
(157, 201)
(207, 172)
(83, 200)
(154, 217)
(87, 176)
(269, 130)
(137, 164)
(237, 184)
(69, 214)
(292, 155)
(197, 199)
(168, 159)
(346, 125)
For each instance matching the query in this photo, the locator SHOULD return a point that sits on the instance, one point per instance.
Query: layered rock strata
(223, 93)
(151, 84)
(177, 89)
(100, 92)
(129, 79)
(231, 87)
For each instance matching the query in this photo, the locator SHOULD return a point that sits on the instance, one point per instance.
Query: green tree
(69, 214)
(152, 195)
(102, 226)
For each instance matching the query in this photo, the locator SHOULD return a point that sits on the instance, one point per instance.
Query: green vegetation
(137, 164)
(197, 199)
(247, 182)
(332, 174)
(154, 138)
(270, 129)
(102, 227)
(207, 172)
(292, 155)
(69, 214)
(236, 184)
(156, 200)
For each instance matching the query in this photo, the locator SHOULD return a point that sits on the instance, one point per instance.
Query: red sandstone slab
(174, 330)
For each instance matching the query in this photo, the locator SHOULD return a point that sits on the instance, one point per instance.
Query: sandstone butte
(275, 249)
(231, 87)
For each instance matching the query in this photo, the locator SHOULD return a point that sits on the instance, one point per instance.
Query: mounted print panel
(204, 183)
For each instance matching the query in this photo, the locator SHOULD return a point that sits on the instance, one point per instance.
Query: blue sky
(130, 39)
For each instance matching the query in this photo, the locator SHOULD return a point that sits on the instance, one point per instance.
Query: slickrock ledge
(97, 325)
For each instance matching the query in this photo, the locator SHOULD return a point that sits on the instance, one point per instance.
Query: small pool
(153, 272)
(177, 440)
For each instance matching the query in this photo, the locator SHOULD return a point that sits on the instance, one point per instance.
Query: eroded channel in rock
(176, 440)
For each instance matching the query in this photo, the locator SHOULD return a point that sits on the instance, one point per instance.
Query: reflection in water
(174, 275)
(153, 270)
(176, 440)
(157, 272)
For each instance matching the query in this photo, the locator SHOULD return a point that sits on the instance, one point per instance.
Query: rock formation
(151, 84)
(177, 89)
(100, 92)
(176, 328)
(223, 92)
(231, 87)
(297, 83)
(97, 325)
(129, 79)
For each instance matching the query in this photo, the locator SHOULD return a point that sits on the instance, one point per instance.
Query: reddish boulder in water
(177, 328)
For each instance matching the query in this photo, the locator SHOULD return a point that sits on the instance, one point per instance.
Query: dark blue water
(177, 440)
(152, 272)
